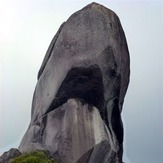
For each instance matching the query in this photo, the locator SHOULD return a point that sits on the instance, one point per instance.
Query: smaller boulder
(12, 153)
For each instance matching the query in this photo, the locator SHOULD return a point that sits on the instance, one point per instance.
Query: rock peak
(93, 4)
(97, 7)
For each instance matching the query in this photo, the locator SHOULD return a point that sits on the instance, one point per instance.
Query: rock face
(12, 153)
(77, 103)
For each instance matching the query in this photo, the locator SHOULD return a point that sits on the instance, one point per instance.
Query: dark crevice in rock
(116, 114)
(116, 122)
(84, 84)
(44, 122)
(100, 153)
(85, 157)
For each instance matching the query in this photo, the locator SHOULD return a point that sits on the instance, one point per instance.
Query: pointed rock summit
(78, 99)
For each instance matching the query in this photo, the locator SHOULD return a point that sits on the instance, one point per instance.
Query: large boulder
(7, 156)
(78, 99)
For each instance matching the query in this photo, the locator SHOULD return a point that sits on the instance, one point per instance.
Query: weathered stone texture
(12, 153)
(78, 99)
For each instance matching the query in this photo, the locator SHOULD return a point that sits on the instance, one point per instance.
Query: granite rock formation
(78, 99)
(12, 153)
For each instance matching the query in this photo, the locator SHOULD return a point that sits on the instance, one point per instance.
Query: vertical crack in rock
(49, 52)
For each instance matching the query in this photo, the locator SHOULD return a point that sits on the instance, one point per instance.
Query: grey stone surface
(12, 153)
(78, 99)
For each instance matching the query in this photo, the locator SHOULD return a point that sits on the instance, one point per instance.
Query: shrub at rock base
(33, 157)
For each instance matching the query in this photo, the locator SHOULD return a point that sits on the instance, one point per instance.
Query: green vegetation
(33, 157)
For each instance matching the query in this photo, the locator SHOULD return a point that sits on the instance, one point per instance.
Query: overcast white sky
(27, 27)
